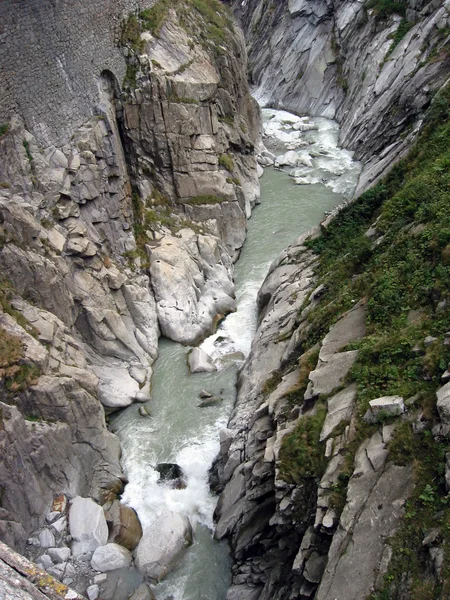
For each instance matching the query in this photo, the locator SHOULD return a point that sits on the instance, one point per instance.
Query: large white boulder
(87, 526)
(110, 558)
(200, 362)
(162, 544)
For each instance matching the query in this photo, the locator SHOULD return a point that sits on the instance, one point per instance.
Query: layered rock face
(372, 70)
(317, 523)
(115, 225)
(191, 123)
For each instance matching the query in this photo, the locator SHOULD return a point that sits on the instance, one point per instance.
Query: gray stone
(200, 362)
(162, 544)
(350, 327)
(340, 408)
(110, 557)
(60, 525)
(93, 592)
(59, 555)
(46, 561)
(330, 375)
(46, 539)
(443, 403)
(193, 284)
(388, 406)
(87, 525)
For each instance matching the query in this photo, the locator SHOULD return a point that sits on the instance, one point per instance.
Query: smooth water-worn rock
(110, 557)
(192, 282)
(87, 525)
(123, 525)
(162, 544)
(337, 59)
(200, 362)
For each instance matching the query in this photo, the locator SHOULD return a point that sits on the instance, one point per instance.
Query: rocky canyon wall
(373, 69)
(127, 173)
(323, 478)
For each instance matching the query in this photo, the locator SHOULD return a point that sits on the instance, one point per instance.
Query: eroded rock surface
(337, 59)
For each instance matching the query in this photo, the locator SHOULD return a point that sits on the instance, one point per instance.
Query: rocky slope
(373, 66)
(113, 231)
(335, 461)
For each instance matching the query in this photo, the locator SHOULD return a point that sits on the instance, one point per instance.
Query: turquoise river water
(179, 430)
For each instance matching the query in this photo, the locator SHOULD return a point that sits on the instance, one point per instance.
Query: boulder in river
(172, 475)
(123, 523)
(200, 362)
(144, 411)
(205, 394)
(210, 401)
(162, 545)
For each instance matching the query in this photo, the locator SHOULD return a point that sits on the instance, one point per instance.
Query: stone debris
(380, 408)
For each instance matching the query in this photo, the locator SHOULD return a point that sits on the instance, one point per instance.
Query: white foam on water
(147, 497)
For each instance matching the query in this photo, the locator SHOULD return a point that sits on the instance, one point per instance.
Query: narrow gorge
(132, 145)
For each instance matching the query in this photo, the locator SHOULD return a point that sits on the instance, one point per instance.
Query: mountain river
(179, 430)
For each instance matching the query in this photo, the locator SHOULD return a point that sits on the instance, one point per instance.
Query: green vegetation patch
(301, 454)
(426, 510)
(4, 128)
(208, 21)
(391, 247)
(226, 161)
(386, 8)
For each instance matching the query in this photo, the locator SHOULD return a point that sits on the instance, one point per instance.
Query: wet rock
(110, 557)
(163, 544)
(172, 475)
(205, 394)
(200, 362)
(213, 401)
(143, 592)
(123, 523)
(144, 411)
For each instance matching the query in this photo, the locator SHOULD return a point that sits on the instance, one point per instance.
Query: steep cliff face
(373, 66)
(124, 191)
(335, 460)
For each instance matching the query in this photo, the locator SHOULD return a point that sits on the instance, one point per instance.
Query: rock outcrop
(287, 533)
(114, 227)
(372, 69)
(162, 545)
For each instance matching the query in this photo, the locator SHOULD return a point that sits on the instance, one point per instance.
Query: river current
(179, 430)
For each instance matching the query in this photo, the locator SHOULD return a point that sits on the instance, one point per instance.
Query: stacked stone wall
(52, 53)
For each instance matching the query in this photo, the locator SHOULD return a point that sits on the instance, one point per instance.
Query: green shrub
(385, 8)
(226, 161)
(301, 454)
(4, 128)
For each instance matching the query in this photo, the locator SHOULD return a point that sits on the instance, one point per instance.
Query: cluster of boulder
(85, 545)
